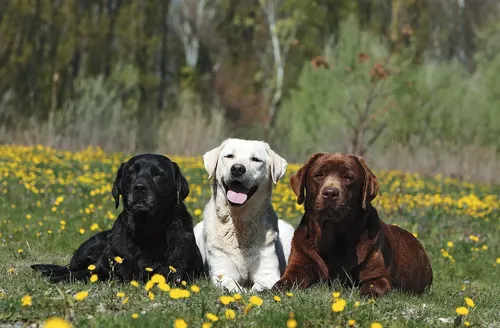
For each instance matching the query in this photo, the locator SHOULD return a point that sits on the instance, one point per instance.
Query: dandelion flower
(149, 285)
(172, 269)
(237, 297)
(450, 244)
(212, 317)
(230, 314)
(226, 299)
(462, 310)
(498, 260)
(289, 294)
(20, 250)
(26, 300)
(255, 300)
(56, 322)
(118, 260)
(94, 278)
(206, 325)
(466, 323)
(351, 322)
(376, 325)
(125, 300)
(276, 298)
(134, 283)
(469, 302)
(151, 295)
(91, 267)
(357, 304)
(157, 278)
(120, 294)
(176, 293)
(336, 294)
(180, 323)
(338, 305)
(80, 296)
(291, 322)
(135, 315)
(81, 231)
(195, 289)
(164, 287)
(148, 269)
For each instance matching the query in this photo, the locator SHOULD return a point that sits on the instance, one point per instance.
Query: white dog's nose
(238, 170)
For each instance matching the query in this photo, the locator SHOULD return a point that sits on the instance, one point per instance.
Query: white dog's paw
(227, 283)
(259, 286)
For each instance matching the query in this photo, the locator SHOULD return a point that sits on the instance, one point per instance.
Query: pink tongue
(236, 197)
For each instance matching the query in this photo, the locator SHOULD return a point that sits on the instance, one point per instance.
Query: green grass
(33, 179)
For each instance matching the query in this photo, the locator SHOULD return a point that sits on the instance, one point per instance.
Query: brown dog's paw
(283, 285)
(375, 288)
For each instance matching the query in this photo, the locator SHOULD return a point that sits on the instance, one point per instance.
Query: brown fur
(341, 234)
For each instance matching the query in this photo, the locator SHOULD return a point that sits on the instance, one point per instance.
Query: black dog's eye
(160, 174)
(229, 156)
(131, 173)
(255, 159)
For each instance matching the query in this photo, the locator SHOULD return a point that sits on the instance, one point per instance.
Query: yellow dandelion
(164, 287)
(26, 300)
(466, 323)
(276, 298)
(351, 322)
(134, 283)
(291, 322)
(125, 300)
(80, 296)
(376, 325)
(247, 308)
(180, 323)
(20, 250)
(197, 212)
(135, 315)
(94, 278)
(226, 299)
(462, 310)
(336, 294)
(498, 260)
(91, 267)
(81, 231)
(148, 269)
(357, 304)
(469, 302)
(338, 305)
(118, 260)
(11, 270)
(56, 322)
(158, 278)
(94, 227)
(151, 295)
(149, 285)
(212, 317)
(230, 314)
(289, 294)
(183, 283)
(120, 294)
(176, 293)
(255, 300)
(172, 269)
(206, 325)
(195, 289)
(237, 297)
(450, 244)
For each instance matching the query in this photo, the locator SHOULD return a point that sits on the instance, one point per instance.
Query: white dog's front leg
(268, 272)
(224, 272)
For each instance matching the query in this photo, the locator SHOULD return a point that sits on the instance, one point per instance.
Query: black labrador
(154, 230)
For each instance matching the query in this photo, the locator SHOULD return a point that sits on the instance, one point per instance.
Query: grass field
(51, 201)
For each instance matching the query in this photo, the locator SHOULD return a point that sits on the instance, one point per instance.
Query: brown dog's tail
(59, 273)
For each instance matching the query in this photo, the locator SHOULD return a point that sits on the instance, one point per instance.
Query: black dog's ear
(181, 183)
(116, 191)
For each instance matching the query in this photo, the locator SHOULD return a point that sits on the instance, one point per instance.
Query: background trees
(408, 83)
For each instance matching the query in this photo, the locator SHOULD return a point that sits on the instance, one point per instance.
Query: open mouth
(237, 194)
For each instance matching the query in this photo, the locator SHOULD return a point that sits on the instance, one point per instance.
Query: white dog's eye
(229, 156)
(255, 159)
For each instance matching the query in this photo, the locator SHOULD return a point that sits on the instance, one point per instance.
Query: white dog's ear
(210, 159)
(278, 165)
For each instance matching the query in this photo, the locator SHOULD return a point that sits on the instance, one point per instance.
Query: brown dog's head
(334, 184)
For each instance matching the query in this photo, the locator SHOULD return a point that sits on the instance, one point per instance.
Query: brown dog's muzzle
(330, 196)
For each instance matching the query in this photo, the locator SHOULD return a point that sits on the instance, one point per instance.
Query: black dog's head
(148, 182)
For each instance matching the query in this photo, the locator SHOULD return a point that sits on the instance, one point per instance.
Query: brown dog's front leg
(375, 288)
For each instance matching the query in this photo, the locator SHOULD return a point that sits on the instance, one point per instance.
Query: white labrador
(242, 242)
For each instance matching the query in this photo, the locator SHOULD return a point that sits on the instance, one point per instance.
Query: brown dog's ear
(298, 179)
(116, 191)
(370, 182)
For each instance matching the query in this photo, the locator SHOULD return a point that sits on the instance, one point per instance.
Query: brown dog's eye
(318, 175)
(349, 178)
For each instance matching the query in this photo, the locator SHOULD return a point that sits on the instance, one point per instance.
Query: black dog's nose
(139, 188)
(238, 170)
(331, 192)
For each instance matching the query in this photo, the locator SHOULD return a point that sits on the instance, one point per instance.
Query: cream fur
(247, 245)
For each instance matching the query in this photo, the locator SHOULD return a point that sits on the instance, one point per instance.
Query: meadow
(51, 201)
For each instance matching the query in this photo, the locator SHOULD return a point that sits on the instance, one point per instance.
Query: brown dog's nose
(331, 192)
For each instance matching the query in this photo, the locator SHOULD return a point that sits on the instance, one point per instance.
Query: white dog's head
(241, 167)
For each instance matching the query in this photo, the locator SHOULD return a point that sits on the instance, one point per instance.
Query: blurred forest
(409, 84)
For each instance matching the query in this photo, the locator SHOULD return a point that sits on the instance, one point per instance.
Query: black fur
(154, 229)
